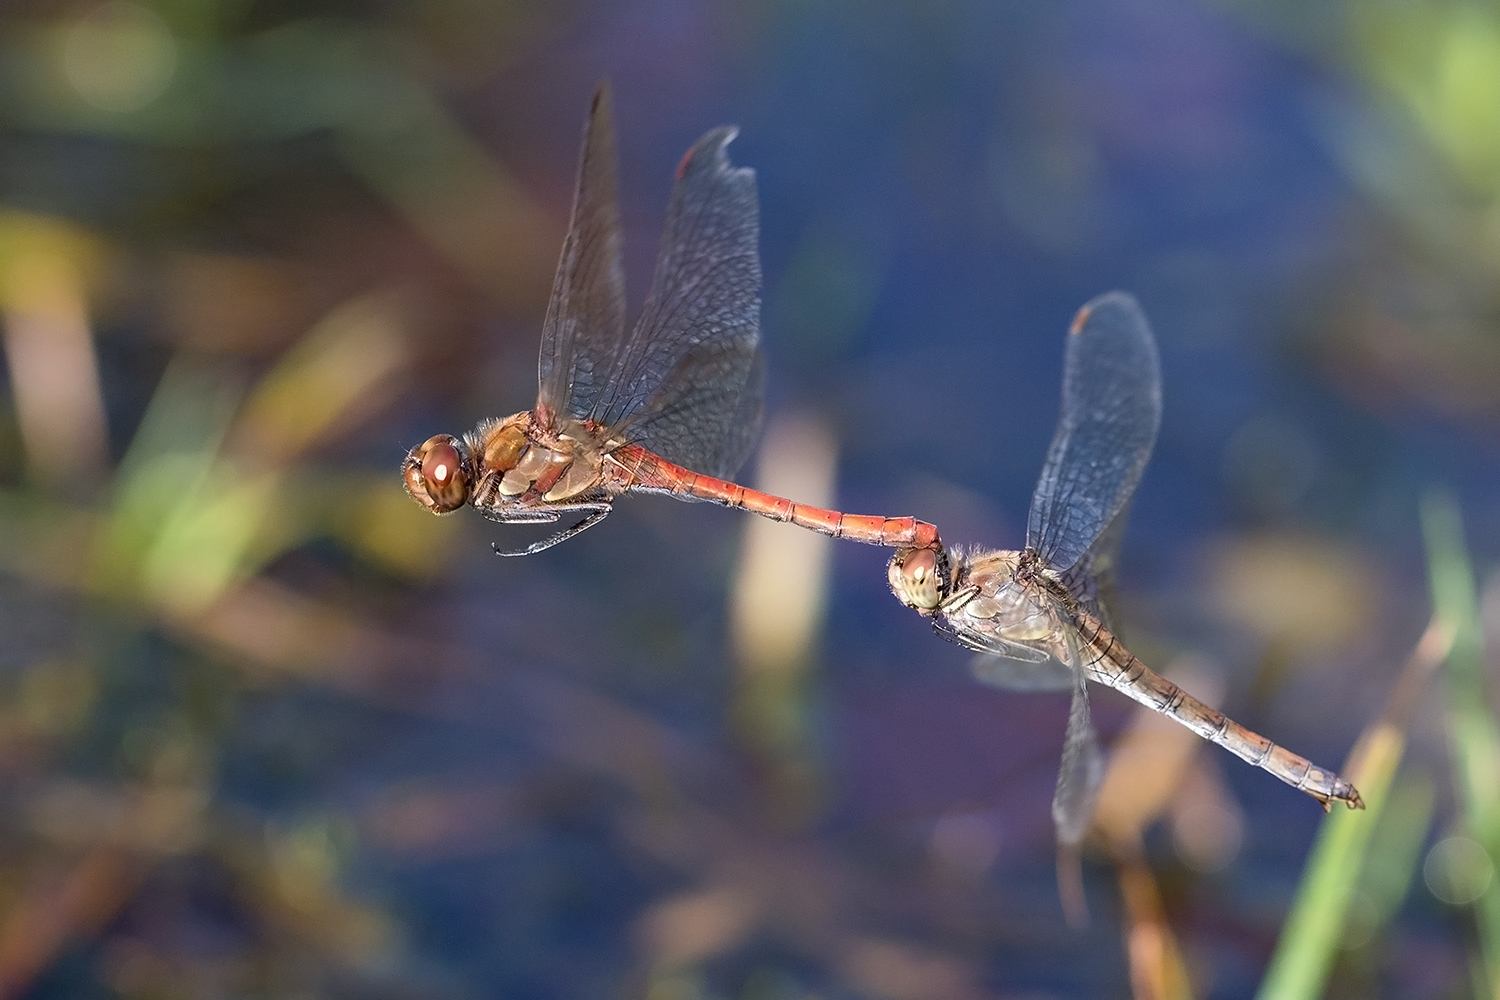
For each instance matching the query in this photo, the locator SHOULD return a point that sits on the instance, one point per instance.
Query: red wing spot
(1080, 321)
(682, 167)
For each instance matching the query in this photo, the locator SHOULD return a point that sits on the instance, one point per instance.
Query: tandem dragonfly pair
(673, 405)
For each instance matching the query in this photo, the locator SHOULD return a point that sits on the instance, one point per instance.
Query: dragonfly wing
(1001, 663)
(686, 385)
(1091, 580)
(698, 418)
(744, 428)
(986, 643)
(1010, 673)
(1111, 410)
(585, 322)
(1082, 769)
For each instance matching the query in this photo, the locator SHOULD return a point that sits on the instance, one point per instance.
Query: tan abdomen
(1107, 661)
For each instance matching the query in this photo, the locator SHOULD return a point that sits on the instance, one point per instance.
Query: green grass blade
(1474, 736)
(1312, 933)
(1315, 927)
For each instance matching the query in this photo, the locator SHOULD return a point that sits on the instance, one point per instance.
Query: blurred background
(269, 730)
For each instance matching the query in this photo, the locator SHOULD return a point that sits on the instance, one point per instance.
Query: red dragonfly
(1038, 617)
(674, 405)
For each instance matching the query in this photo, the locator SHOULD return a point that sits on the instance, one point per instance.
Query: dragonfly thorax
(520, 467)
(510, 469)
(999, 593)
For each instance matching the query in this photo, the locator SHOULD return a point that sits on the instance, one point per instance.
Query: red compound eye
(435, 475)
(440, 466)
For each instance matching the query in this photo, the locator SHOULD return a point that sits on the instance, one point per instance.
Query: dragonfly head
(437, 474)
(920, 578)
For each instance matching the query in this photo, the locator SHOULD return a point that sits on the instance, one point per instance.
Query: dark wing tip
(708, 152)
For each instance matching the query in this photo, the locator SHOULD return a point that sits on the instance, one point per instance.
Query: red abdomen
(640, 468)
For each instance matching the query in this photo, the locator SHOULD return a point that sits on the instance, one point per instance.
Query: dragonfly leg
(596, 513)
(959, 599)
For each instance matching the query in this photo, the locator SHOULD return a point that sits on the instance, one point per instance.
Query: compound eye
(915, 579)
(435, 475)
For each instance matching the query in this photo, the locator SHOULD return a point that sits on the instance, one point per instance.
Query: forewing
(1082, 767)
(686, 378)
(1111, 410)
(585, 324)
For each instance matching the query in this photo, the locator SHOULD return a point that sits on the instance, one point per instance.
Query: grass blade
(1314, 929)
(1473, 734)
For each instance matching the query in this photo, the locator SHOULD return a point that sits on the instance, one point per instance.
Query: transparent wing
(1016, 667)
(988, 644)
(744, 427)
(1082, 767)
(706, 415)
(686, 382)
(1003, 664)
(1013, 674)
(585, 322)
(1091, 580)
(1111, 410)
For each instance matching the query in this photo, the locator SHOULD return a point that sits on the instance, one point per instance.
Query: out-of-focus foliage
(1425, 151)
(1472, 726)
(1370, 856)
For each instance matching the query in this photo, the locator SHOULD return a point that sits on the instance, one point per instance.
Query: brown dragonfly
(1036, 616)
(674, 405)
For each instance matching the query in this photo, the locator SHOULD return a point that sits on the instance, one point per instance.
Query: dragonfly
(672, 406)
(1039, 617)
